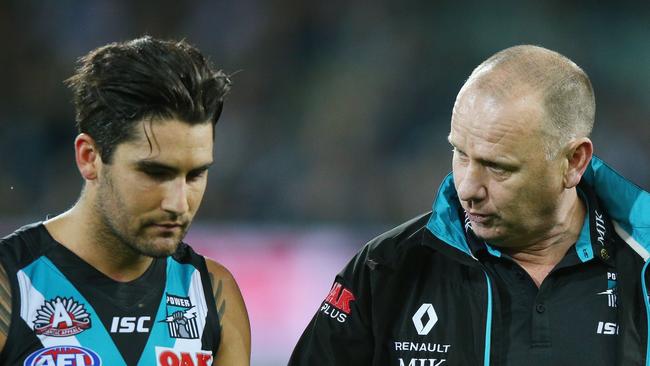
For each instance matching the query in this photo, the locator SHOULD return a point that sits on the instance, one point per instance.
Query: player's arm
(235, 348)
(5, 306)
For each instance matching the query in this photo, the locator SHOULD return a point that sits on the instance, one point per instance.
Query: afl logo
(63, 355)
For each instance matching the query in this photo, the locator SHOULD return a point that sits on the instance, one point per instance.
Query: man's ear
(578, 155)
(87, 156)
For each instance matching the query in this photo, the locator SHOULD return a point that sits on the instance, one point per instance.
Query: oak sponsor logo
(171, 357)
(61, 317)
(337, 303)
(63, 356)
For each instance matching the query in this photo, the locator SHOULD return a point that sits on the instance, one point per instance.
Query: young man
(110, 282)
(534, 253)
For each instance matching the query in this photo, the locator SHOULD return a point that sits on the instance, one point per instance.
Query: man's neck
(538, 258)
(77, 230)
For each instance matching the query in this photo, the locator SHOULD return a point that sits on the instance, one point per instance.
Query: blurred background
(335, 129)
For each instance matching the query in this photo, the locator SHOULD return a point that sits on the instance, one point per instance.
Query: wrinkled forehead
(490, 125)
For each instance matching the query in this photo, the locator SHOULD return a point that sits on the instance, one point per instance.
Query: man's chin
(486, 233)
(159, 248)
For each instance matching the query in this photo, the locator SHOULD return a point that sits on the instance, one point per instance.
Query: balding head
(565, 92)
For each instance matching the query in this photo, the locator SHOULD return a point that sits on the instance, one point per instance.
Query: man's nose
(471, 187)
(176, 197)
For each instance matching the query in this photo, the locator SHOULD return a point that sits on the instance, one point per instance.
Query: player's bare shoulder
(235, 327)
(5, 306)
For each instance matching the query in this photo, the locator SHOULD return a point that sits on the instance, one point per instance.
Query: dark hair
(120, 84)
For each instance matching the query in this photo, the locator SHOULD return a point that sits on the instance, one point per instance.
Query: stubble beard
(113, 227)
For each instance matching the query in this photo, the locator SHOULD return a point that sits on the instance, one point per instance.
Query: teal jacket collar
(626, 203)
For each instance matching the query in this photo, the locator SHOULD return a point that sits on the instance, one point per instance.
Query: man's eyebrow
(500, 162)
(202, 167)
(452, 144)
(151, 165)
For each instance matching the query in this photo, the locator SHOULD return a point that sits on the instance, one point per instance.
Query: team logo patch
(61, 317)
(611, 290)
(171, 357)
(337, 304)
(181, 318)
(63, 355)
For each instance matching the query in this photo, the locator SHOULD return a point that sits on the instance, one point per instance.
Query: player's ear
(579, 153)
(87, 156)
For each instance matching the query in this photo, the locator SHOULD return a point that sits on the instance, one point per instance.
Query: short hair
(119, 84)
(565, 89)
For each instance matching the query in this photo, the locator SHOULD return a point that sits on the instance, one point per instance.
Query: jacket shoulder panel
(387, 248)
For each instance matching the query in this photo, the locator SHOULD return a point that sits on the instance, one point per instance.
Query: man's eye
(192, 176)
(498, 169)
(459, 154)
(157, 174)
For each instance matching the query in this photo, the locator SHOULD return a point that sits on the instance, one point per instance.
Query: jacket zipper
(488, 321)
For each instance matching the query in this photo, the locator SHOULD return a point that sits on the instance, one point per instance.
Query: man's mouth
(479, 218)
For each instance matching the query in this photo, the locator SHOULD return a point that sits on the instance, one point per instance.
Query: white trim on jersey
(31, 300)
(197, 298)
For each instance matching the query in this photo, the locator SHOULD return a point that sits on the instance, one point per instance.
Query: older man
(533, 253)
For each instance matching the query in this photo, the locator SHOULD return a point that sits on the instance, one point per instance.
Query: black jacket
(416, 296)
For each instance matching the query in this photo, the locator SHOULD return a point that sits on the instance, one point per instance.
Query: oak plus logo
(337, 303)
(424, 319)
(61, 317)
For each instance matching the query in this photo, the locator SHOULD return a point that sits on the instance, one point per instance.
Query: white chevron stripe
(197, 298)
(30, 301)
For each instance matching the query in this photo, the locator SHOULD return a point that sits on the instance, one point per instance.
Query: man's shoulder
(389, 247)
(24, 244)
(26, 231)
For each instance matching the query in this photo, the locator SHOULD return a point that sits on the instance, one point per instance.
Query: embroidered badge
(61, 317)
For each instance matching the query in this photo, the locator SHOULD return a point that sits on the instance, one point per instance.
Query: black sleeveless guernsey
(66, 313)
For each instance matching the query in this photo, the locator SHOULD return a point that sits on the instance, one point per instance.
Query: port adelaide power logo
(61, 317)
(181, 317)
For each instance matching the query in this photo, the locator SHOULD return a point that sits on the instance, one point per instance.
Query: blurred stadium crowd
(339, 111)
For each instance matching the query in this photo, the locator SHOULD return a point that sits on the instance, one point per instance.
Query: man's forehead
(171, 140)
(522, 107)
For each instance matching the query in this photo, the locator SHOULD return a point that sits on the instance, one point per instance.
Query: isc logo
(171, 357)
(607, 328)
(130, 324)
